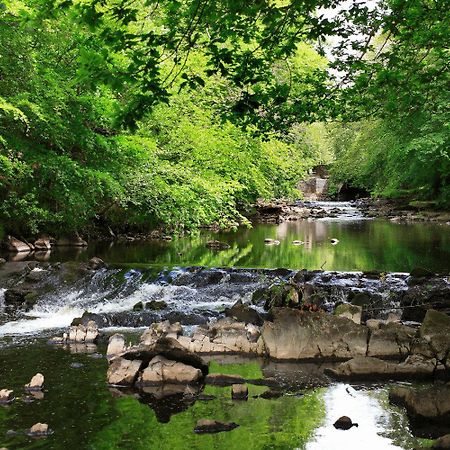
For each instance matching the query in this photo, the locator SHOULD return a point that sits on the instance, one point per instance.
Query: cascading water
(336, 210)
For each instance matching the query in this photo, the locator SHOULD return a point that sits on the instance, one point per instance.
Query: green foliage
(65, 165)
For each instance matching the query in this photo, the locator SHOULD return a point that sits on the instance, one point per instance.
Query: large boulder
(391, 340)
(369, 368)
(42, 244)
(295, 334)
(158, 330)
(116, 345)
(168, 347)
(244, 313)
(435, 330)
(163, 370)
(225, 336)
(86, 334)
(123, 372)
(15, 245)
(428, 409)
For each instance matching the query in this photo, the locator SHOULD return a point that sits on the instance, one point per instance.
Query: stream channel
(197, 283)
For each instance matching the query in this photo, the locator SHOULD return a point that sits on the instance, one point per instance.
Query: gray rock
(435, 330)
(295, 334)
(391, 340)
(116, 345)
(168, 347)
(243, 313)
(365, 368)
(123, 372)
(349, 311)
(428, 409)
(163, 370)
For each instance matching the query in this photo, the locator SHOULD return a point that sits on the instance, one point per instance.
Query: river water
(85, 414)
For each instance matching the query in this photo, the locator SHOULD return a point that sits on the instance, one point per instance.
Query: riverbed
(83, 412)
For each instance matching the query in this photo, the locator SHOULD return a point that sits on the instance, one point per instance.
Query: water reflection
(363, 245)
(361, 407)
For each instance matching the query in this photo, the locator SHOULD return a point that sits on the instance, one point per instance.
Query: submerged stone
(213, 426)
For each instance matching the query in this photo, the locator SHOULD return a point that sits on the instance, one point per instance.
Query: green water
(363, 245)
(85, 414)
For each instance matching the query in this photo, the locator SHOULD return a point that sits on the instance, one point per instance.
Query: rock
(39, 429)
(435, 330)
(20, 297)
(116, 345)
(420, 272)
(123, 372)
(36, 383)
(37, 274)
(139, 306)
(86, 334)
(225, 336)
(213, 426)
(74, 241)
(14, 245)
(349, 311)
(359, 298)
(96, 263)
(42, 244)
(217, 245)
(344, 423)
(220, 379)
(442, 443)
(160, 329)
(163, 370)
(168, 347)
(428, 409)
(365, 368)
(6, 396)
(391, 340)
(156, 305)
(90, 317)
(295, 334)
(243, 313)
(239, 392)
(2, 261)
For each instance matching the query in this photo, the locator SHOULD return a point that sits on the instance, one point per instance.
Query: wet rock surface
(428, 409)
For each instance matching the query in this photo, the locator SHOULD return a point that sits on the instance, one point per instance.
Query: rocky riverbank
(395, 211)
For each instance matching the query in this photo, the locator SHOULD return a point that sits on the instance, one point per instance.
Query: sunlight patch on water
(362, 408)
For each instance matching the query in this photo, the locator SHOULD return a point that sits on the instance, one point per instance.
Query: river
(84, 413)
